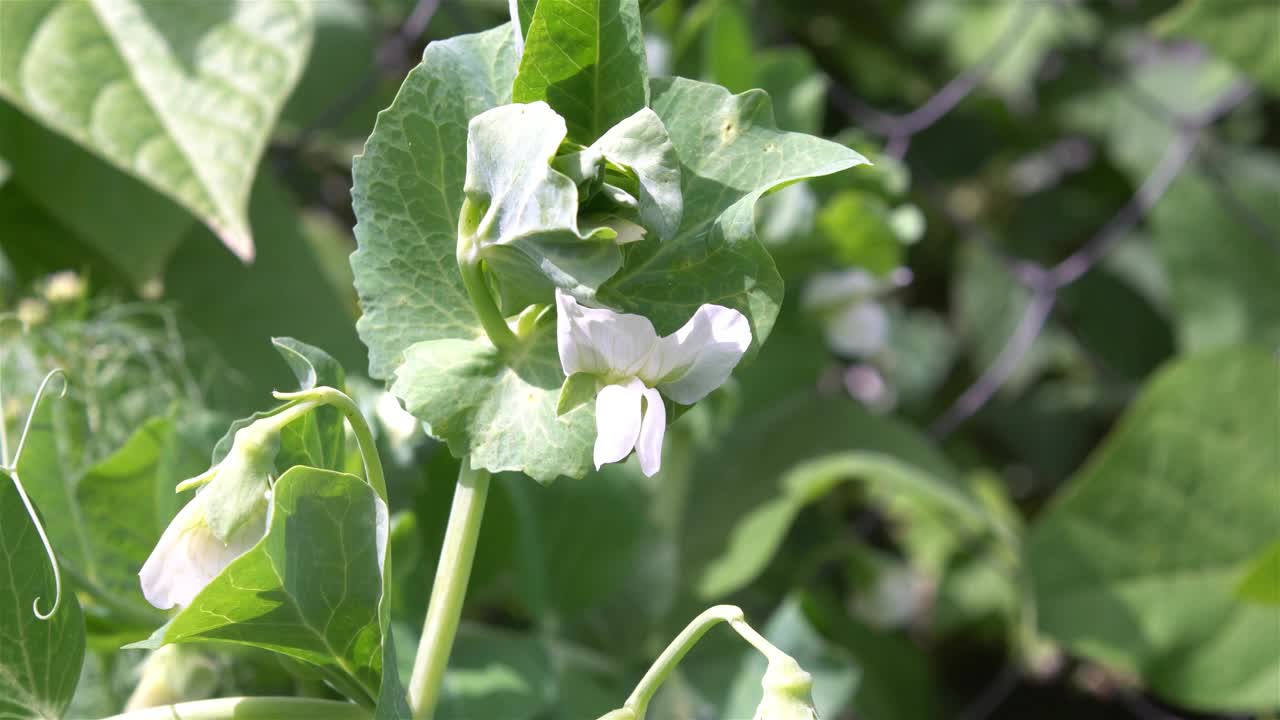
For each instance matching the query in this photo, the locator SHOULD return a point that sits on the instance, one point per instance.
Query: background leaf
(191, 124)
(39, 659)
(1242, 31)
(1135, 564)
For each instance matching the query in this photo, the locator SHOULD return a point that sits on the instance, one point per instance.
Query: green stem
(448, 591)
(251, 708)
(364, 434)
(491, 319)
(666, 663)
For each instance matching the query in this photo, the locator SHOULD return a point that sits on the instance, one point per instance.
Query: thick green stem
(448, 591)
(491, 319)
(251, 708)
(666, 663)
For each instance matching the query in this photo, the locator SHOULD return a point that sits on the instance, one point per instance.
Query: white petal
(189, 556)
(862, 329)
(654, 426)
(698, 357)
(617, 421)
(600, 341)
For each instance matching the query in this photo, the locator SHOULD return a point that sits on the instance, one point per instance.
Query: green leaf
(124, 79)
(1136, 563)
(39, 659)
(749, 492)
(1223, 265)
(407, 207)
(499, 411)
(311, 589)
(1261, 584)
(585, 58)
(641, 145)
(856, 224)
(730, 154)
(1240, 31)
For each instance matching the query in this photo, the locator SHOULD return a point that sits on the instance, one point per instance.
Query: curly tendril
(12, 470)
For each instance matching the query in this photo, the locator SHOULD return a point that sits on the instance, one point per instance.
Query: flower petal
(189, 556)
(600, 341)
(652, 428)
(617, 421)
(698, 357)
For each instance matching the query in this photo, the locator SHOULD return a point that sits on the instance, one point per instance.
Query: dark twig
(1045, 284)
(898, 129)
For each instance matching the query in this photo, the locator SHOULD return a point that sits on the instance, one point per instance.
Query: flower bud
(788, 692)
(227, 517)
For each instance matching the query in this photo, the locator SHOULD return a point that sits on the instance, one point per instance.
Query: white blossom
(189, 555)
(637, 368)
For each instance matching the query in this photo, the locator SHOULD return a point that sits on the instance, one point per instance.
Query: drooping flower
(189, 555)
(636, 368)
(226, 518)
(788, 692)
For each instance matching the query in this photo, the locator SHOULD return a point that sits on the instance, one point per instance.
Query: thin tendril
(26, 501)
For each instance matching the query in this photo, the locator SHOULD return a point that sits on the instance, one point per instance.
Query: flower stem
(662, 668)
(251, 708)
(324, 395)
(491, 319)
(448, 591)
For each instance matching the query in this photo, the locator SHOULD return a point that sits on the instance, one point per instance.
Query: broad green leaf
(493, 673)
(728, 49)
(856, 224)
(1223, 263)
(116, 214)
(501, 412)
(750, 490)
(310, 589)
(1136, 562)
(407, 196)
(1261, 584)
(180, 94)
(1241, 31)
(835, 675)
(585, 58)
(516, 201)
(39, 659)
(730, 155)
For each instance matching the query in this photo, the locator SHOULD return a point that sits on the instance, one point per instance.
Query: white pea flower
(226, 518)
(189, 555)
(637, 368)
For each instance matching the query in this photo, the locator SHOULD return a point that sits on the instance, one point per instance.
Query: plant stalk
(251, 708)
(666, 663)
(448, 591)
(491, 319)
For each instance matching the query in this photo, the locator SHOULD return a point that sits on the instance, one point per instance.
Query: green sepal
(579, 389)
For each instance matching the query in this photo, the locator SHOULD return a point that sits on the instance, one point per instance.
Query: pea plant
(630, 360)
